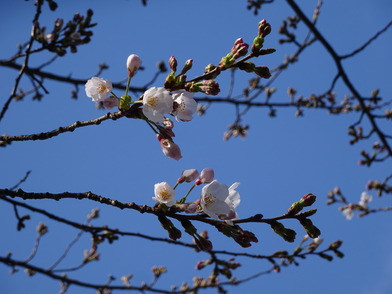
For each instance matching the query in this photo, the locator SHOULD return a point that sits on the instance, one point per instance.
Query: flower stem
(111, 92)
(127, 88)
(182, 200)
(151, 126)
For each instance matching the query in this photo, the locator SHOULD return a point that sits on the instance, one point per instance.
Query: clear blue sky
(282, 158)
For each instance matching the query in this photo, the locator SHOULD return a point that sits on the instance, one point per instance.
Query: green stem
(127, 88)
(111, 92)
(175, 186)
(182, 200)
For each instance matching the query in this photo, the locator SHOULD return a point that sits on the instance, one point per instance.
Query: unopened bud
(202, 243)
(206, 176)
(187, 66)
(210, 87)
(335, 245)
(257, 45)
(188, 175)
(42, 229)
(169, 148)
(262, 72)
(247, 66)
(264, 28)
(308, 199)
(310, 229)
(58, 24)
(133, 64)
(239, 49)
(173, 63)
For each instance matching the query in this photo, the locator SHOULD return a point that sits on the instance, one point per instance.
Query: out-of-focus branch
(338, 62)
(24, 67)
(92, 229)
(368, 42)
(60, 78)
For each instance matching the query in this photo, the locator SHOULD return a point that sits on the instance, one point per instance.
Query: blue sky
(281, 159)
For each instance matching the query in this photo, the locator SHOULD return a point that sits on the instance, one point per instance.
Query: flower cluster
(217, 200)
(157, 102)
(348, 210)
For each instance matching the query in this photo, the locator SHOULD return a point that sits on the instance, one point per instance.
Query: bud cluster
(242, 237)
(174, 233)
(74, 33)
(177, 82)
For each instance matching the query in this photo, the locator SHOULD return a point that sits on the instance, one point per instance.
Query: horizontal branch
(78, 124)
(92, 229)
(7, 139)
(59, 78)
(13, 263)
(172, 213)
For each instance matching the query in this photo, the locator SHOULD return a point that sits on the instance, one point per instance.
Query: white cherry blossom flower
(157, 102)
(98, 88)
(185, 105)
(365, 198)
(164, 193)
(219, 202)
(348, 212)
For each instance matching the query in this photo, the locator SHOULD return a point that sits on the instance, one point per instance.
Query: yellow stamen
(101, 88)
(164, 194)
(152, 101)
(208, 199)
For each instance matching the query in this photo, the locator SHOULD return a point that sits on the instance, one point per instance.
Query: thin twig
(368, 42)
(24, 67)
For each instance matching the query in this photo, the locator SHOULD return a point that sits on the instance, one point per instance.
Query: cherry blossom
(348, 212)
(164, 193)
(219, 202)
(365, 198)
(110, 102)
(98, 88)
(157, 102)
(185, 105)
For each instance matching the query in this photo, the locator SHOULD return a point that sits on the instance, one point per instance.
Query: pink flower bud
(210, 87)
(188, 175)
(168, 126)
(133, 64)
(239, 48)
(192, 207)
(187, 66)
(173, 63)
(264, 28)
(169, 148)
(206, 176)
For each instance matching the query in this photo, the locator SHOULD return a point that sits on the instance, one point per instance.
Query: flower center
(152, 101)
(101, 88)
(208, 199)
(164, 194)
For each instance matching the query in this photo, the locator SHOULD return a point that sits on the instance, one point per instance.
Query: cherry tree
(134, 138)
